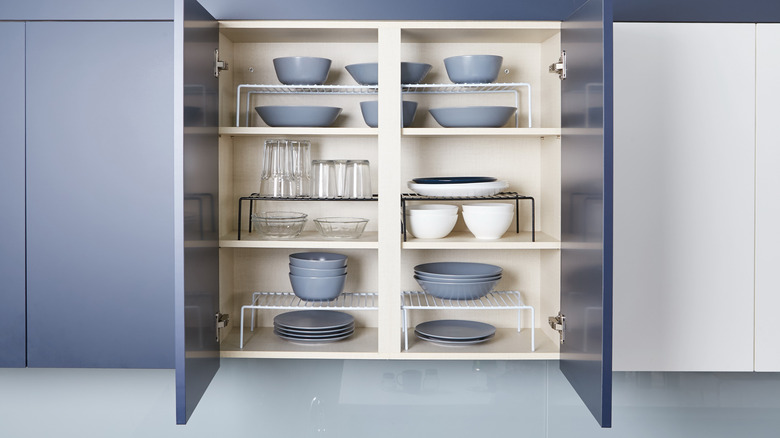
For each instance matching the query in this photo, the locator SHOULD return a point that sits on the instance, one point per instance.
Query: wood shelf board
(268, 131)
(508, 344)
(481, 132)
(307, 239)
(465, 240)
(263, 343)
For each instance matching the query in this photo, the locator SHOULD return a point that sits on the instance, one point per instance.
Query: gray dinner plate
(455, 329)
(314, 319)
(312, 340)
(458, 270)
(453, 341)
(326, 332)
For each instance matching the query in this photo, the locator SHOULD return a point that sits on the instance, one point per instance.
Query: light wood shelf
(481, 132)
(307, 239)
(265, 131)
(466, 240)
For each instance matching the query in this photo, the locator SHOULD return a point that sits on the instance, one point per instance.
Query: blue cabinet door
(586, 206)
(12, 246)
(197, 256)
(99, 119)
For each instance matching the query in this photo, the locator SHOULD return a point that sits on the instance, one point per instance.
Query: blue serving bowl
(302, 70)
(317, 288)
(371, 116)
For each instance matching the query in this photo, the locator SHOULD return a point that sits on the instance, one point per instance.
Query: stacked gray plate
(455, 332)
(314, 326)
(457, 280)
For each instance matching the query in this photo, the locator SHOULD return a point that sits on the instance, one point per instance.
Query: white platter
(459, 190)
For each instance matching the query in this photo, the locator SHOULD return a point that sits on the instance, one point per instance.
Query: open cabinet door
(196, 179)
(586, 206)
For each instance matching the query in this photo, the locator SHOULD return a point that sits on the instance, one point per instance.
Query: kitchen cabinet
(219, 153)
(98, 194)
(767, 356)
(12, 221)
(686, 164)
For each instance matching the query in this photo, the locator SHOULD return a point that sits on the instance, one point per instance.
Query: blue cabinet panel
(197, 299)
(12, 246)
(586, 206)
(86, 10)
(390, 10)
(99, 194)
(713, 11)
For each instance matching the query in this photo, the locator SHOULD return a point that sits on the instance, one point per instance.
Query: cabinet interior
(381, 262)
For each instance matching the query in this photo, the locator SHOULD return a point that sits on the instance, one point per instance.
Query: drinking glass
(322, 179)
(340, 173)
(276, 179)
(358, 179)
(300, 156)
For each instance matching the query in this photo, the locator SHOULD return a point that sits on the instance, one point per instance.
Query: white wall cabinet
(694, 213)
(767, 332)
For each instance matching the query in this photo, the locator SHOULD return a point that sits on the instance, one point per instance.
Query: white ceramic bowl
(432, 209)
(489, 207)
(488, 226)
(430, 226)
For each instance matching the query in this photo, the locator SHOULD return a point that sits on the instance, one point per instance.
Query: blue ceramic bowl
(473, 116)
(317, 288)
(301, 116)
(302, 70)
(318, 260)
(473, 69)
(371, 116)
(368, 73)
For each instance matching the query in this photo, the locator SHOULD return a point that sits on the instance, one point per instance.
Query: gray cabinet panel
(99, 194)
(12, 319)
(86, 10)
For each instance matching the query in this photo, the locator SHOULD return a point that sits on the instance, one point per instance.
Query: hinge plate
(558, 323)
(218, 65)
(560, 66)
(222, 320)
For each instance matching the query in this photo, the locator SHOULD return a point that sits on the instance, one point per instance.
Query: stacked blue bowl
(318, 276)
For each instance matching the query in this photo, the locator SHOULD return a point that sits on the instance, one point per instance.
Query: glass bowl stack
(457, 280)
(317, 276)
(279, 224)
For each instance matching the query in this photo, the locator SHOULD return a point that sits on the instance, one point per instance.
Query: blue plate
(454, 180)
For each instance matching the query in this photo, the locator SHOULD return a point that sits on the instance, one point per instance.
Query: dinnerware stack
(431, 221)
(457, 280)
(457, 186)
(488, 221)
(314, 326)
(455, 332)
(317, 276)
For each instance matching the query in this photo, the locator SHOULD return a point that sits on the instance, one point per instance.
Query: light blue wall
(274, 398)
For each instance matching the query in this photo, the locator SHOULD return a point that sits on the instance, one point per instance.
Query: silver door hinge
(222, 319)
(218, 64)
(560, 66)
(558, 323)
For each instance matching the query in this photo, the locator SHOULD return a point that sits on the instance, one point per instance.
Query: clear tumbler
(358, 179)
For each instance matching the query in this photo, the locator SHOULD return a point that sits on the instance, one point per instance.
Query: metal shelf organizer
(256, 197)
(505, 300)
(288, 301)
(252, 89)
(406, 197)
